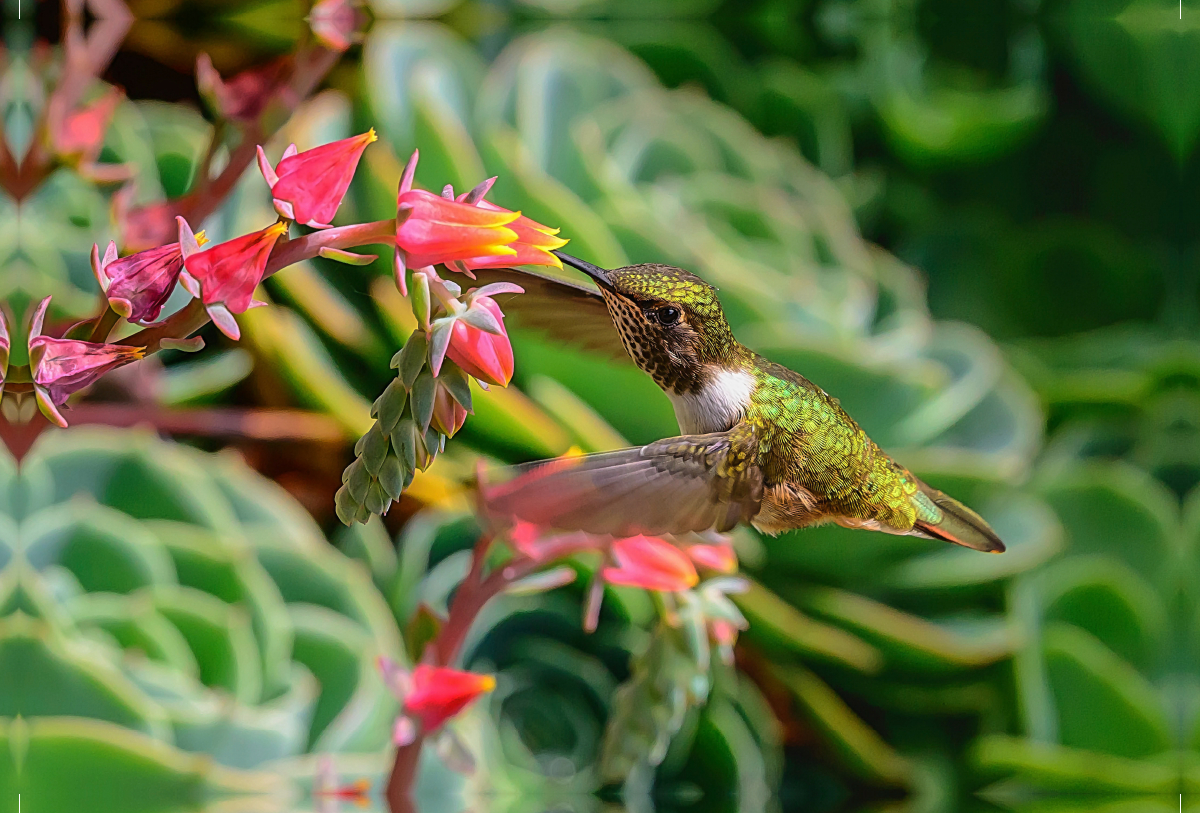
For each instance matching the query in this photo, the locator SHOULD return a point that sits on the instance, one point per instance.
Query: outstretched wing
(671, 486)
(567, 310)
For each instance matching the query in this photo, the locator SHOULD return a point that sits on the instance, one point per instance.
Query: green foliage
(173, 627)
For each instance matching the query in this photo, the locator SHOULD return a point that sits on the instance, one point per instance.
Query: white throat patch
(718, 405)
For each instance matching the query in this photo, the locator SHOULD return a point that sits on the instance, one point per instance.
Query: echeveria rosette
(224, 276)
(137, 286)
(308, 187)
(60, 367)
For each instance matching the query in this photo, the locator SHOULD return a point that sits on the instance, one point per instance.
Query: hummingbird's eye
(667, 315)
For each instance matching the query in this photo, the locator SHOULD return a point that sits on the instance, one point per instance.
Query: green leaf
(860, 748)
(220, 637)
(43, 675)
(77, 764)
(773, 620)
(909, 641)
(1070, 770)
(105, 549)
(1103, 704)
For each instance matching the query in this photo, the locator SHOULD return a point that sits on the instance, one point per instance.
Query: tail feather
(958, 524)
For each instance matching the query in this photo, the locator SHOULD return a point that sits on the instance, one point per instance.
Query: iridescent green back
(807, 438)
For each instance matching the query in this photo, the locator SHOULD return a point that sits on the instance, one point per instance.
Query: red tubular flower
(651, 563)
(533, 245)
(720, 558)
(139, 285)
(486, 356)
(308, 187)
(431, 229)
(439, 693)
(224, 277)
(62, 366)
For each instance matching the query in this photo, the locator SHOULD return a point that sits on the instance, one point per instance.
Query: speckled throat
(669, 370)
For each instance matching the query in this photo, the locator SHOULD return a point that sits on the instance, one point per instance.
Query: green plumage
(808, 439)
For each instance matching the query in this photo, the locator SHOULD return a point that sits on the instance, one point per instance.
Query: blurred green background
(971, 222)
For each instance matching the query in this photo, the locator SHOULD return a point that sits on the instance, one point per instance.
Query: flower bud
(448, 414)
(483, 355)
(308, 187)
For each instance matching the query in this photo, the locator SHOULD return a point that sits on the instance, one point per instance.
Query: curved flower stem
(472, 595)
(192, 317)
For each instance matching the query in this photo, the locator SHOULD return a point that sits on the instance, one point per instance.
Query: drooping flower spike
(224, 277)
(139, 285)
(308, 187)
(60, 367)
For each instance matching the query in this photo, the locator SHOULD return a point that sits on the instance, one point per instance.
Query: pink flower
(720, 558)
(308, 187)
(486, 356)
(81, 135)
(533, 245)
(465, 232)
(224, 277)
(448, 414)
(62, 366)
(335, 22)
(530, 540)
(245, 96)
(438, 693)
(651, 563)
(431, 229)
(139, 285)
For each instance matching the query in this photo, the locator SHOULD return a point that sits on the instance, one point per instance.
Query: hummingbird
(760, 444)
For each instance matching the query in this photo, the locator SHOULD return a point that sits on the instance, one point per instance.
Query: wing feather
(671, 486)
(565, 309)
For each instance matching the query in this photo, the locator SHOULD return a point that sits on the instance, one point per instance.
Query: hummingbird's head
(669, 319)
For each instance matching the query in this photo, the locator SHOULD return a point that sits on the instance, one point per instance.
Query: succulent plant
(174, 624)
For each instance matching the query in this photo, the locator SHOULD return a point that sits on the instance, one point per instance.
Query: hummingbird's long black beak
(597, 273)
